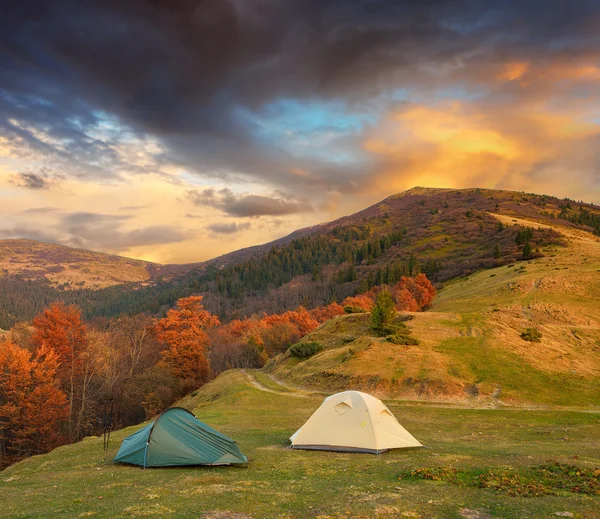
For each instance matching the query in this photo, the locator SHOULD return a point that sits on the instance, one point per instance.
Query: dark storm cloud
(228, 228)
(189, 71)
(248, 205)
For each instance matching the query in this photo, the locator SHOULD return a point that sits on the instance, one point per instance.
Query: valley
(497, 377)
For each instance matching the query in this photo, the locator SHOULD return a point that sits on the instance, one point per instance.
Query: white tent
(352, 422)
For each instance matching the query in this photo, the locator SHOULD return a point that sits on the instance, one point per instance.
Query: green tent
(175, 438)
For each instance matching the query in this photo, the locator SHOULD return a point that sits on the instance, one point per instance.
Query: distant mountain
(70, 268)
(446, 233)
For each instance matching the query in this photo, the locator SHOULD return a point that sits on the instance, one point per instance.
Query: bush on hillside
(395, 327)
(305, 349)
(402, 339)
(354, 309)
(531, 335)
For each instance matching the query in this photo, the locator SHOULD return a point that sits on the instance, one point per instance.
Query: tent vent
(342, 408)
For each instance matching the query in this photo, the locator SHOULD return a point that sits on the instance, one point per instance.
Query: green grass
(81, 481)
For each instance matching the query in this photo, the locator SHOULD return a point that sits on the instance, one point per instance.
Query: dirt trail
(292, 391)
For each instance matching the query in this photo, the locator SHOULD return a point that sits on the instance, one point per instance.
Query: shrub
(399, 338)
(305, 349)
(347, 355)
(531, 335)
(395, 327)
(354, 309)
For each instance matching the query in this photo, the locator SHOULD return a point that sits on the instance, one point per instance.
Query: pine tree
(384, 311)
(497, 251)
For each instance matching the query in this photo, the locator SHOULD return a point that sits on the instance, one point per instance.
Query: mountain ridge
(447, 233)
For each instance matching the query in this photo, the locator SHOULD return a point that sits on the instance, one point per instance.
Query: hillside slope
(470, 343)
(69, 268)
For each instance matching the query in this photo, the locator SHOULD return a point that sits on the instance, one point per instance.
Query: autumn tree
(324, 313)
(364, 301)
(61, 329)
(414, 293)
(32, 406)
(183, 330)
(283, 330)
(238, 344)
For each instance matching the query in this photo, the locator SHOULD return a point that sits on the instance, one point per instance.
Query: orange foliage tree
(32, 407)
(282, 330)
(183, 331)
(324, 313)
(365, 301)
(60, 329)
(414, 293)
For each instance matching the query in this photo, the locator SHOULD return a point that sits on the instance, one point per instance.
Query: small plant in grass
(531, 335)
(570, 477)
(512, 484)
(542, 480)
(402, 339)
(347, 355)
(305, 349)
(432, 474)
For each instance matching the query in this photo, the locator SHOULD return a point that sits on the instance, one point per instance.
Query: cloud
(32, 234)
(132, 207)
(41, 210)
(228, 228)
(248, 205)
(197, 83)
(457, 144)
(104, 232)
(43, 179)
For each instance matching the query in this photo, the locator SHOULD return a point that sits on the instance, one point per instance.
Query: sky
(178, 130)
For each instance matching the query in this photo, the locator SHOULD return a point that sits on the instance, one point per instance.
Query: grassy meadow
(81, 481)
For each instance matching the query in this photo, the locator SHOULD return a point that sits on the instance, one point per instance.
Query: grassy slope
(80, 481)
(470, 339)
